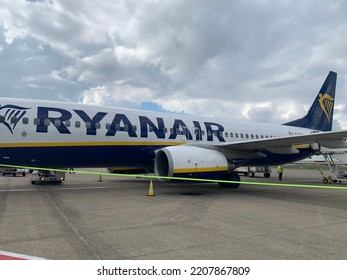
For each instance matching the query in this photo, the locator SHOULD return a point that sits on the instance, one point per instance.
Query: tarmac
(116, 220)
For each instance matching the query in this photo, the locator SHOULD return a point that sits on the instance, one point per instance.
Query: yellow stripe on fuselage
(96, 144)
(86, 144)
(307, 146)
(203, 169)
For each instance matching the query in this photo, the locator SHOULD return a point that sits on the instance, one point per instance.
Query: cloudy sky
(258, 60)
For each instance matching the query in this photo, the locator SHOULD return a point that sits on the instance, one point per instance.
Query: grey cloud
(219, 51)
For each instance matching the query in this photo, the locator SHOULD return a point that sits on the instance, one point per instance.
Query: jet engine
(191, 162)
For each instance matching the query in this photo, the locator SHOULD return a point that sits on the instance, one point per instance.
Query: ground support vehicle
(14, 172)
(45, 176)
(252, 170)
(337, 175)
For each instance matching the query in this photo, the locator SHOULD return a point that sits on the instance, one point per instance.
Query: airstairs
(336, 174)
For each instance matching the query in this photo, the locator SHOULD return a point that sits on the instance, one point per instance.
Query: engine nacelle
(190, 162)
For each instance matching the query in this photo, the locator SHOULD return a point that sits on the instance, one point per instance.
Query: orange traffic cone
(150, 191)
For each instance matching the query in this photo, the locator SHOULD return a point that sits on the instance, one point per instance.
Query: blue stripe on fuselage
(80, 156)
(114, 156)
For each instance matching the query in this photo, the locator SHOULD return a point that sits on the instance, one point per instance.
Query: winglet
(320, 115)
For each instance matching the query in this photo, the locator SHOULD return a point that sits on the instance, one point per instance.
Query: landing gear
(234, 177)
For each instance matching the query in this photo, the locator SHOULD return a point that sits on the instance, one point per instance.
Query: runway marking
(13, 256)
(179, 178)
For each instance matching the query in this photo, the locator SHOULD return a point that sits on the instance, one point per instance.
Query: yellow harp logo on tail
(326, 103)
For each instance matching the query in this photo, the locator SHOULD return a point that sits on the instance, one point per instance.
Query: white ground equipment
(251, 170)
(337, 175)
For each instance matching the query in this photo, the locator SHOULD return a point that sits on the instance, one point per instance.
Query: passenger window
(47, 122)
(150, 128)
(2, 119)
(14, 120)
(117, 127)
(236, 135)
(261, 136)
(226, 134)
(202, 132)
(209, 133)
(134, 127)
(241, 135)
(257, 136)
(165, 130)
(108, 126)
(246, 135)
(252, 136)
(67, 123)
(97, 125)
(25, 120)
(88, 125)
(36, 121)
(77, 124)
(57, 123)
(231, 134)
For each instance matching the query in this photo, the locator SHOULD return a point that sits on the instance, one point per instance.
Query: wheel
(267, 175)
(325, 181)
(235, 177)
(251, 174)
(33, 182)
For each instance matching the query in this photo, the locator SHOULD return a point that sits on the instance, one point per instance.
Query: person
(280, 172)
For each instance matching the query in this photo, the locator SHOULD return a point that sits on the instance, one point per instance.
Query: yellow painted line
(266, 184)
(124, 168)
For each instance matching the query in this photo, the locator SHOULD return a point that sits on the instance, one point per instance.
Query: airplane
(45, 134)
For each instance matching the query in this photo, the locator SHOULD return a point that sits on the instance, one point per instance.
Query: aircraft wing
(285, 145)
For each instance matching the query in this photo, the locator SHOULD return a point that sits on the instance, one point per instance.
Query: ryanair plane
(56, 134)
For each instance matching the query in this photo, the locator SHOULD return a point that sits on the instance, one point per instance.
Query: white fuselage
(66, 130)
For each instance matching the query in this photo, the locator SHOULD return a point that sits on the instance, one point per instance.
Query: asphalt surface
(115, 219)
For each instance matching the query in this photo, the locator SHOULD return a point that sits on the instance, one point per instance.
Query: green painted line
(142, 176)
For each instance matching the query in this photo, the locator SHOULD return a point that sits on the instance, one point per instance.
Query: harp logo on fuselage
(10, 115)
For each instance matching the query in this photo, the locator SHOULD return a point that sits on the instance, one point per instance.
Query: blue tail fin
(320, 115)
